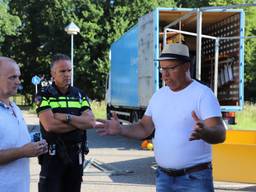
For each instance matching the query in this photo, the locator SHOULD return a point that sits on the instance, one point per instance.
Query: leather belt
(181, 172)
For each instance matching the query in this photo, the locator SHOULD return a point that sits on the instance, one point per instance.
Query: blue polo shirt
(13, 133)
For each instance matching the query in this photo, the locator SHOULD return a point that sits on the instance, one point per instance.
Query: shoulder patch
(51, 90)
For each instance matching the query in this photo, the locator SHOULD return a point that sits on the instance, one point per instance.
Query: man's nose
(17, 80)
(67, 73)
(165, 73)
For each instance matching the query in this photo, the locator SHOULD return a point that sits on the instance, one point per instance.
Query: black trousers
(55, 176)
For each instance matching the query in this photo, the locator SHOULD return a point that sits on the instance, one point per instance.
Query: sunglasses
(170, 69)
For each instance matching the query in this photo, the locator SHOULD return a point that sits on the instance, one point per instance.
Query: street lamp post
(72, 29)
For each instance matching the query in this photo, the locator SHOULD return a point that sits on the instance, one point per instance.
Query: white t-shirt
(171, 114)
(14, 176)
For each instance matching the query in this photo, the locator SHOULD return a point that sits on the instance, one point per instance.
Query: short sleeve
(42, 102)
(209, 105)
(85, 105)
(148, 111)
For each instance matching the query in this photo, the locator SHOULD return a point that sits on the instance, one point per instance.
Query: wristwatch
(68, 118)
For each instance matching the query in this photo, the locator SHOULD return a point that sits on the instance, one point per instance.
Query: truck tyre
(134, 117)
(108, 113)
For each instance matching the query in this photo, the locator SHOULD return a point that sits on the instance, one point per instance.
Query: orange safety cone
(144, 144)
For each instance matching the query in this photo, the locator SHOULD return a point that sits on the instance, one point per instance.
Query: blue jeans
(200, 181)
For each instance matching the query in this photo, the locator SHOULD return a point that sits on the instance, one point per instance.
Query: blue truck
(216, 41)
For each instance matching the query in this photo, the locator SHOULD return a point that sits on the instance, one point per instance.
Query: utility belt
(65, 152)
(56, 148)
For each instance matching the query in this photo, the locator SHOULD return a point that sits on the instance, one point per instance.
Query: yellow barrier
(235, 160)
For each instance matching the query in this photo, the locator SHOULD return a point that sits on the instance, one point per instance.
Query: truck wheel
(134, 117)
(108, 112)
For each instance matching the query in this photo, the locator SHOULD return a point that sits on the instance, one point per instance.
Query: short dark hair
(57, 57)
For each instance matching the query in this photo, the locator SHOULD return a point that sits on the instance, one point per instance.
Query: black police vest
(73, 103)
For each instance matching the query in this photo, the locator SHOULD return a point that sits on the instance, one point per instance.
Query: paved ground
(119, 165)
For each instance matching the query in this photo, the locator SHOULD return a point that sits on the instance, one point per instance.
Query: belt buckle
(180, 172)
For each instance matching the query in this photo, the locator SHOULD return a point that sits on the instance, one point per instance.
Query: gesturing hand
(198, 129)
(109, 127)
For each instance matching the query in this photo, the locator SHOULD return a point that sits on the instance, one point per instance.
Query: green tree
(125, 13)
(192, 3)
(91, 61)
(250, 54)
(40, 35)
(8, 22)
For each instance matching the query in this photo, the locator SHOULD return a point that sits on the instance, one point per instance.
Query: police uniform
(62, 167)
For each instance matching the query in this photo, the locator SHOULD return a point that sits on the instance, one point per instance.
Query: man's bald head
(5, 61)
(9, 78)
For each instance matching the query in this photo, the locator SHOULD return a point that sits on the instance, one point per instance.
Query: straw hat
(175, 51)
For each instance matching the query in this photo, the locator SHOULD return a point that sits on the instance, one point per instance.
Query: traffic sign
(36, 80)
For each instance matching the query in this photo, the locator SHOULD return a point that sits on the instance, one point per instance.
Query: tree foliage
(8, 22)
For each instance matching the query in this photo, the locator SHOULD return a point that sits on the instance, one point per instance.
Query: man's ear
(52, 73)
(187, 66)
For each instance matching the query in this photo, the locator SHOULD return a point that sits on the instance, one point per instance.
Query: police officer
(64, 113)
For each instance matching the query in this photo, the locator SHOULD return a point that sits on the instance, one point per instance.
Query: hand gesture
(199, 128)
(34, 149)
(109, 127)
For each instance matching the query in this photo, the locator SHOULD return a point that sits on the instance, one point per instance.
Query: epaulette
(77, 93)
(51, 90)
(45, 92)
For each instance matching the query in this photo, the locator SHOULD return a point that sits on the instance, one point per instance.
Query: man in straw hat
(186, 118)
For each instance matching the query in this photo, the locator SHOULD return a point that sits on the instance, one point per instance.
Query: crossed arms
(57, 122)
